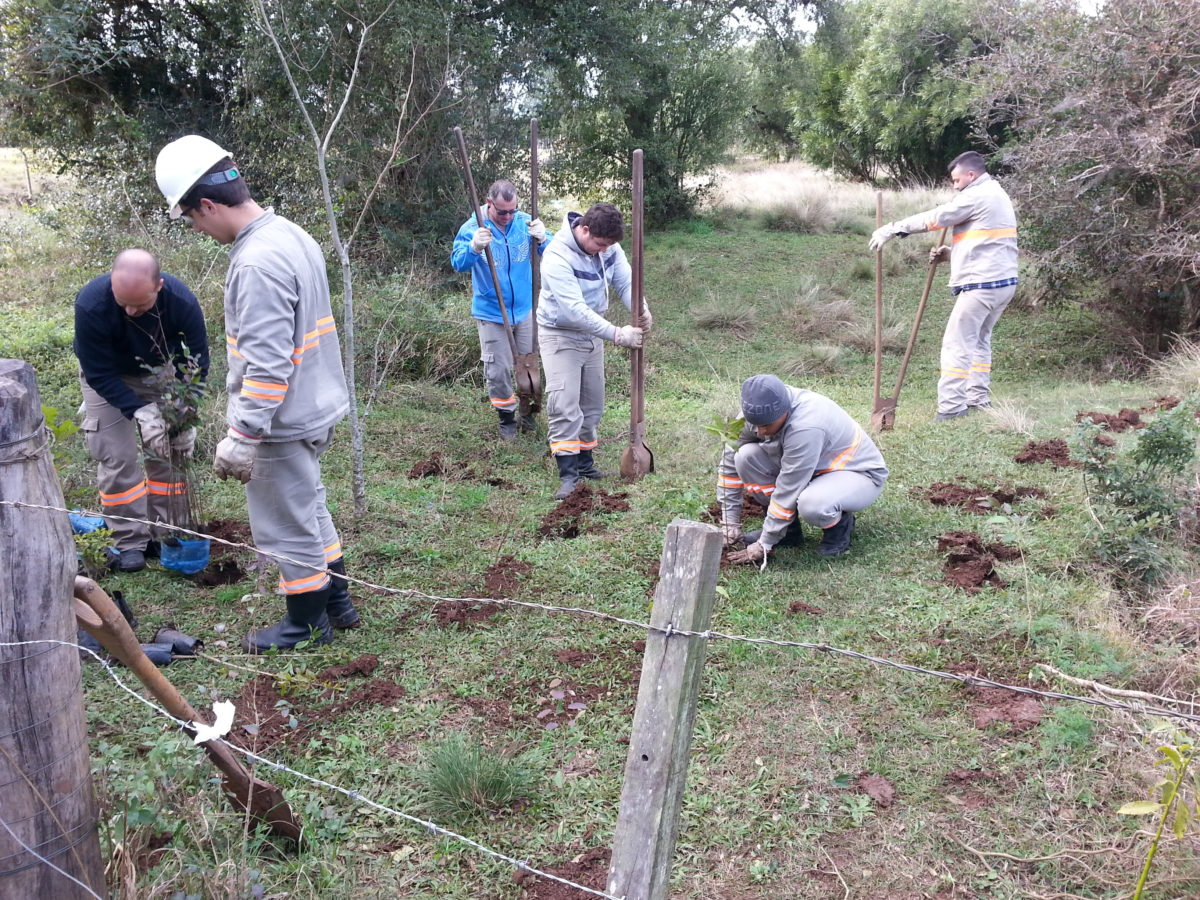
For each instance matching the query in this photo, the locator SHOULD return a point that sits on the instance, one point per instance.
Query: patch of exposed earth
(1053, 451)
(1122, 421)
(589, 868)
(572, 516)
(970, 563)
(975, 498)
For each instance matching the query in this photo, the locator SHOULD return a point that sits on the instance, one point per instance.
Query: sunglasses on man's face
(497, 211)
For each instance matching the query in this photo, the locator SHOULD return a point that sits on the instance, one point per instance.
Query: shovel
(525, 365)
(528, 362)
(262, 801)
(637, 460)
(884, 417)
(878, 406)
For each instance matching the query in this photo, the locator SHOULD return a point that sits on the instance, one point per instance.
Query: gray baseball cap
(764, 399)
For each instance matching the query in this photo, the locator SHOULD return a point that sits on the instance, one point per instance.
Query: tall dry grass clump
(1179, 371)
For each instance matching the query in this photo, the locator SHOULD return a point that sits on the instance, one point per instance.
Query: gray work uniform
(496, 354)
(818, 465)
(983, 279)
(287, 390)
(572, 330)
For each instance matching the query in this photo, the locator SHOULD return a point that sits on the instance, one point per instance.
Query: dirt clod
(799, 606)
(1053, 451)
(1122, 421)
(970, 563)
(589, 868)
(430, 467)
(569, 518)
(503, 577)
(974, 498)
(878, 788)
(1018, 712)
(463, 615)
(363, 665)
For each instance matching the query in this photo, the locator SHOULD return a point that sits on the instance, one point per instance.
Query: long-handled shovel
(529, 361)
(878, 406)
(637, 460)
(261, 800)
(525, 366)
(884, 417)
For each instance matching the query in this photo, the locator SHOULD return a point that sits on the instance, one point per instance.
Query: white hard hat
(182, 163)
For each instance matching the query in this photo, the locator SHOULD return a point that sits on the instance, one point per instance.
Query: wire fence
(976, 681)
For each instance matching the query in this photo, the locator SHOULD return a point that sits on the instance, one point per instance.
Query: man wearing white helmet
(287, 390)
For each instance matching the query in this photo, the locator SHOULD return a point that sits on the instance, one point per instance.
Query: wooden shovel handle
(637, 411)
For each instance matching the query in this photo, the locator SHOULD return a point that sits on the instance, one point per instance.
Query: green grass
(781, 734)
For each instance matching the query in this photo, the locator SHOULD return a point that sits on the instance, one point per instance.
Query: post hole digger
(526, 368)
(260, 800)
(637, 459)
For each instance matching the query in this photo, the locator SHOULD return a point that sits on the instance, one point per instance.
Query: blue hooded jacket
(510, 250)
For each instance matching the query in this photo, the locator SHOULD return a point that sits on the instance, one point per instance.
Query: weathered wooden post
(47, 808)
(656, 769)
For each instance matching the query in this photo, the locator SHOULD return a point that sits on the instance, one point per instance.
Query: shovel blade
(529, 382)
(883, 418)
(636, 462)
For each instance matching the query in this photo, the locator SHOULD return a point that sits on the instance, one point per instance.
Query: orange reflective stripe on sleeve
(985, 233)
(333, 551)
(120, 498)
(264, 390)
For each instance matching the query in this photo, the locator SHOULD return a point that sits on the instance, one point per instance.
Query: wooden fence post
(659, 747)
(46, 799)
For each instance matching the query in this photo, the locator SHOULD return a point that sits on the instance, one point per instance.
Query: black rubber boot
(568, 473)
(793, 537)
(529, 423)
(587, 468)
(508, 424)
(836, 539)
(342, 613)
(305, 619)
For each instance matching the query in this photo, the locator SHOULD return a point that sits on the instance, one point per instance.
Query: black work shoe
(568, 473)
(946, 417)
(130, 561)
(341, 610)
(305, 619)
(529, 424)
(153, 550)
(836, 539)
(508, 424)
(793, 537)
(972, 407)
(587, 467)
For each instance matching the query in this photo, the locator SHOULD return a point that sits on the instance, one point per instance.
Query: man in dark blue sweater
(134, 327)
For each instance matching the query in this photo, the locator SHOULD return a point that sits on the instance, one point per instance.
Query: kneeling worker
(803, 457)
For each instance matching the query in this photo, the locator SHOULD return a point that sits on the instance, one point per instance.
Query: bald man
(126, 322)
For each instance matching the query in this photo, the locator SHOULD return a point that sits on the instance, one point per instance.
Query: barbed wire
(968, 680)
(354, 795)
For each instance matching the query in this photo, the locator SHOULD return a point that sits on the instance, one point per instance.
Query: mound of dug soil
(750, 510)
(503, 577)
(436, 466)
(974, 498)
(1053, 451)
(463, 615)
(432, 466)
(569, 518)
(589, 868)
(1122, 421)
(970, 563)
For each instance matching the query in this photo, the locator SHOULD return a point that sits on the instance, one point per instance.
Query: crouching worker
(804, 459)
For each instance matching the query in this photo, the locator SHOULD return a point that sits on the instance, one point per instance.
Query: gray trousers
(824, 499)
(496, 355)
(130, 485)
(288, 515)
(967, 348)
(574, 365)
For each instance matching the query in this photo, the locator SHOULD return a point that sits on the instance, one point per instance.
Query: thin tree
(407, 119)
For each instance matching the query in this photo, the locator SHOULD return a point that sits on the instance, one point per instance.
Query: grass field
(986, 800)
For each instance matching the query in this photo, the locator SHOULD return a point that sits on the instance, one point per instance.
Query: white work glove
(938, 255)
(235, 457)
(184, 443)
(483, 237)
(537, 230)
(755, 553)
(731, 532)
(881, 236)
(153, 426)
(647, 320)
(628, 336)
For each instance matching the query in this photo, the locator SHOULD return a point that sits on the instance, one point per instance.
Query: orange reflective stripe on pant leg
(120, 498)
(333, 552)
(313, 582)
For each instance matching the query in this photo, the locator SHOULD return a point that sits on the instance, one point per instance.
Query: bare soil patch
(970, 563)
(260, 722)
(750, 510)
(1017, 712)
(437, 466)
(363, 665)
(432, 466)
(589, 868)
(1162, 403)
(966, 787)
(224, 571)
(1053, 451)
(463, 615)
(572, 516)
(973, 497)
(503, 577)
(878, 788)
(799, 606)
(1122, 421)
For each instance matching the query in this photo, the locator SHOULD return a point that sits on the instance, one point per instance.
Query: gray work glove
(755, 553)
(483, 237)
(731, 532)
(153, 427)
(938, 254)
(537, 230)
(647, 320)
(628, 336)
(882, 235)
(235, 457)
(184, 443)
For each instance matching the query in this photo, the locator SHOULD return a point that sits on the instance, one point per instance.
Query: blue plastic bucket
(189, 557)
